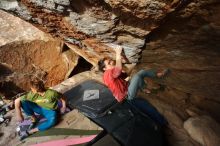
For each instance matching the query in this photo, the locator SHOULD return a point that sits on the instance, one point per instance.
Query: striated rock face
(143, 9)
(122, 22)
(187, 43)
(192, 53)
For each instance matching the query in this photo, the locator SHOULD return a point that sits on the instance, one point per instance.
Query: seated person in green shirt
(40, 101)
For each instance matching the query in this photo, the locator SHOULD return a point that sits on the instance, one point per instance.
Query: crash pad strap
(67, 142)
(65, 131)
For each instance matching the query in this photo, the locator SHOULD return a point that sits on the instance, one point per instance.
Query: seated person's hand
(62, 110)
(20, 118)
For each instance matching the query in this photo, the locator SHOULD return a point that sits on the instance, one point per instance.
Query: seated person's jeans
(51, 115)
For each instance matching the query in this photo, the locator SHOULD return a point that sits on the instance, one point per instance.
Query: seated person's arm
(63, 100)
(18, 109)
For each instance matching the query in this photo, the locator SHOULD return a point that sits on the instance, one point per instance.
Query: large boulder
(204, 130)
(27, 52)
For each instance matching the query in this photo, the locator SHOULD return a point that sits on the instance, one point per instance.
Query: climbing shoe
(33, 122)
(23, 135)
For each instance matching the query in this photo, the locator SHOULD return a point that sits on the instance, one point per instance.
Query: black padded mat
(90, 97)
(130, 127)
(122, 121)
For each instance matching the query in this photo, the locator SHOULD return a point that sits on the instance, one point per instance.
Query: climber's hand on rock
(118, 50)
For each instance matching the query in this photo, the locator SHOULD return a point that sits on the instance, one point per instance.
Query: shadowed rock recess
(61, 38)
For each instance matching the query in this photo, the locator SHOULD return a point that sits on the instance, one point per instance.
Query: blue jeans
(137, 82)
(51, 115)
(146, 108)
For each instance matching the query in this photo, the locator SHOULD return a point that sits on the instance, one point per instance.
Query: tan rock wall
(15, 29)
(26, 51)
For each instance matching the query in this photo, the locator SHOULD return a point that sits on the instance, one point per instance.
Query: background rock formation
(122, 22)
(27, 52)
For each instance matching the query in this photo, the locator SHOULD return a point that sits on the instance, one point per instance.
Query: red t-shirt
(115, 83)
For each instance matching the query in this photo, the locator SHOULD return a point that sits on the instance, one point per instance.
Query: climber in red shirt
(120, 88)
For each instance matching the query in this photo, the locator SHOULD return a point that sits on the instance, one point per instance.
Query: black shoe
(34, 121)
(23, 135)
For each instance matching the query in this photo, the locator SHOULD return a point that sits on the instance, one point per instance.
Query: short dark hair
(38, 85)
(101, 64)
